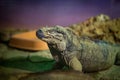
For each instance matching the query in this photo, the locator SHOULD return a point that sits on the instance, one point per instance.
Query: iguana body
(79, 53)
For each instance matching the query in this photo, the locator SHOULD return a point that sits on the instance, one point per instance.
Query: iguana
(79, 53)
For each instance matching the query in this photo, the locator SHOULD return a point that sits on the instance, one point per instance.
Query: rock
(14, 54)
(58, 75)
(8, 53)
(8, 71)
(12, 74)
(3, 48)
(101, 18)
(112, 73)
(99, 27)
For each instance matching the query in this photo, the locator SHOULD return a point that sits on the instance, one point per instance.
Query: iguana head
(55, 36)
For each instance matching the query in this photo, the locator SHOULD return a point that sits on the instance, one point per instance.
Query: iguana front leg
(58, 64)
(75, 64)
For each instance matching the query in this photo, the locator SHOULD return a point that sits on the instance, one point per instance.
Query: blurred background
(35, 13)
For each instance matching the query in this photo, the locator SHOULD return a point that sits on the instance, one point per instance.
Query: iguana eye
(53, 32)
(48, 32)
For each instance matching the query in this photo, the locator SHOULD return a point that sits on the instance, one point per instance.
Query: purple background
(36, 13)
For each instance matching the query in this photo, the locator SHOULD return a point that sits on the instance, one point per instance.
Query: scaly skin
(79, 53)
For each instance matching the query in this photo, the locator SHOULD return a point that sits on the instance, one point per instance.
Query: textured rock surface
(112, 73)
(58, 75)
(7, 53)
(99, 27)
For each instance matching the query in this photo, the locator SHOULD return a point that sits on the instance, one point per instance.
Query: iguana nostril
(39, 34)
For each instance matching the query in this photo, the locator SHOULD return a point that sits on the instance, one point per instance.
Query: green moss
(38, 59)
(28, 65)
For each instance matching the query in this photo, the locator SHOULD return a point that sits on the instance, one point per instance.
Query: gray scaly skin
(79, 53)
